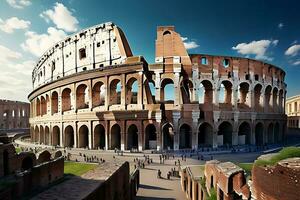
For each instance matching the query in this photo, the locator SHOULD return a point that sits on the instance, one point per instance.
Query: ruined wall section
(95, 47)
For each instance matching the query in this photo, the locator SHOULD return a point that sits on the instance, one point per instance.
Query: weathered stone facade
(13, 115)
(93, 100)
(292, 109)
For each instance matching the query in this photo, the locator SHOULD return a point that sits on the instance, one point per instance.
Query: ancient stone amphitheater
(89, 91)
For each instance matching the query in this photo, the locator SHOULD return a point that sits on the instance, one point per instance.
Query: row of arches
(132, 139)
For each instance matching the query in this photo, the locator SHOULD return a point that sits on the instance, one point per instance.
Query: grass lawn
(288, 152)
(77, 169)
(246, 166)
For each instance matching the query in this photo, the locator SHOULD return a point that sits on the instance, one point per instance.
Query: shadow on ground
(150, 187)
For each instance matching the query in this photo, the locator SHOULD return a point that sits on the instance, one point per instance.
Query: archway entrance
(168, 137)
(150, 140)
(132, 137)
(185, 141)
(271, 134)
(244, 133)
(99, 136)
(69, 136)
(55, 136)
(205, 135)
(116, 137)
(259, 134)
(83, 137)
(225, 131)
(47, 136)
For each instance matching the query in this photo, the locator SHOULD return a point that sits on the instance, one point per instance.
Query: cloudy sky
(260, 29)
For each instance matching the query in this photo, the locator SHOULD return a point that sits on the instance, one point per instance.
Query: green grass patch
(213, 194)
(77, 169)
(246, 166)
(18, 150)
(288, 152)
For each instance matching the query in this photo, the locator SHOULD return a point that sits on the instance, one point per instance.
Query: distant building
(292, 110)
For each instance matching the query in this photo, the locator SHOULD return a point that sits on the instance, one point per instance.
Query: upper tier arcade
(95, 47)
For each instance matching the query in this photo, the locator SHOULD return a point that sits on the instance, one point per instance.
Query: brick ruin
(91, 92)
(228, 180)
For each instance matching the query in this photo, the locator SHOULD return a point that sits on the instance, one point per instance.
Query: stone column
(235, 135)
(176, 117)
(90, 95)
(157, 86)
(196, 116)
(123, 140)
(90, 136)
(159, 142)
(107, 132)
(123, 91)
(177, 89)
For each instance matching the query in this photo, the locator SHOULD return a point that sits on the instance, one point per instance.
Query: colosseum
(90, 91)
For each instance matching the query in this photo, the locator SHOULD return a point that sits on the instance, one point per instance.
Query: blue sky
(266, 30)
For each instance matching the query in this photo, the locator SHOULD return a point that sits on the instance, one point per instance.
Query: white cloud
(296, 62)
(61, 17)
(37, 44)
(293, 50)
(15, 76)
(189, 44)
(280, 25)
(19, 4)
(256, 48)
(12, 24)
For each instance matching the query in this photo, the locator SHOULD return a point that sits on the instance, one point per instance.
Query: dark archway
(225, 129)
(150, 140)
(55, 136)
(276, 133)
(245, 129)
(69, 136)
(99, 136)
(83, 136)
(47, 135)
(27, 163)
(42, 135)
(270, 133)
(205, 135)
(259, 134)
(132, 137)
(168, 136)
(185, 137)
(115, 137)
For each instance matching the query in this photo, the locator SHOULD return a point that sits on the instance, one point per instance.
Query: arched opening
(83, 137)
(132, 91)
(168, 136)
(225, 133)
(243, 94)
(244, 133)
(277, 133)
(185, 137)
(271, 133)
(115, 92)
(275, 99)
(167, 93)
(187, 90)
(268, 92)
(152, 89)
(45, 156)
(38, 107)
(257, 94)
(44, 106)
(37, 134)
(205, 92)
(5, 163)
(69, 136)
(55, 136)
(42, 135)
(54, 102)
(99, 136)
(66, 99)
(47, 135)
(132, 137)
(82, 97)
(150, 139)
(115, 137)
(98, 94)
(259, 134)
(27, 163)
(225, 92)
(205, 135)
